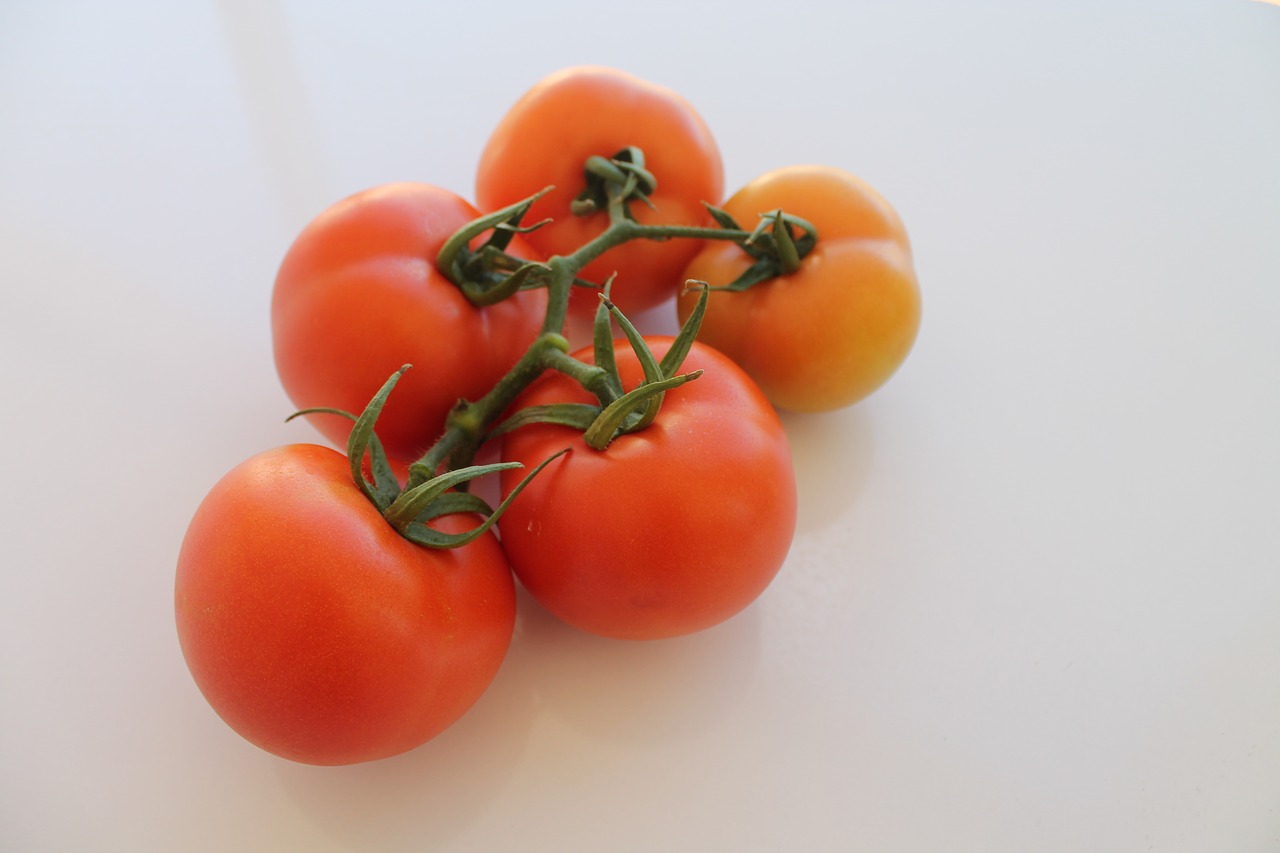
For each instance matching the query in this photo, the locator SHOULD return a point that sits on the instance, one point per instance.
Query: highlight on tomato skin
(669, 530)
(548, 134)
(317, 632)
(835, 330)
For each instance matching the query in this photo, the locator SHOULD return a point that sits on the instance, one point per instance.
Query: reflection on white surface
(1033, 602)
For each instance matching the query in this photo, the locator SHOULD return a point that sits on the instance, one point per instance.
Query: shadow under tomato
(430, 795)
(654, 692)
(832, 453)
(626, 693)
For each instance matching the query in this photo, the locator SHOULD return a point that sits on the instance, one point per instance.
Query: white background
(1034, 600)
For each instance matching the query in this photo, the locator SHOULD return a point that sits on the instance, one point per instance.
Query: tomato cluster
(336, 608)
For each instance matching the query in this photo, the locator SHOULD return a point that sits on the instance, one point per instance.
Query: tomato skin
(669, 530)
(320, 634)
(547, 136)
(358, 296)
(835, 330)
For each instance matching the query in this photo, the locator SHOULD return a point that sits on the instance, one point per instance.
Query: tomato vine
(489, 273)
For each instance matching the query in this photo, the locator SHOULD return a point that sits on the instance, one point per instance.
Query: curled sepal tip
(628, 412)
(639, 346)
(444, 502)
(688, 333)
(779, 242)
(577, 416)
(414, 502)
(722, 217)
(384, 488)
(491, 293)
(648, 363)
(486, 269)
(622, 177)
(602, 341)
(385, 485)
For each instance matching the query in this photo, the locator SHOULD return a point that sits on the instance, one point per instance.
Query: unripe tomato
(836, 329)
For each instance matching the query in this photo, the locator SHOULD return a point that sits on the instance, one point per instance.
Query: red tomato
(667, 531)
(358, 295)
(319, 633)
(832, 332)
(579, 112)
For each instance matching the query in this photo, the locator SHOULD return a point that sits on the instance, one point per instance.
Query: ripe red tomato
(832, 332)
(667, 531)
(547, 136)
(319, 633)
(358, 295)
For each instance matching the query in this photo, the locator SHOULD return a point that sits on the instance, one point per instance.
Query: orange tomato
(833, 331)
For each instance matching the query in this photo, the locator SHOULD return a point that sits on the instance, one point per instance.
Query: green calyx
(409, 509)
(413, 508)
(487, 274)
(617, 412)
(778, 243)
(622, 177)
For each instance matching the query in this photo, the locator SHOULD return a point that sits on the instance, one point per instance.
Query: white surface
(1034, 603)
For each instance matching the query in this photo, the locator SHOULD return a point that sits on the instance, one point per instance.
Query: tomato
(547, 136)
(319, 633)
(830, 333)
(668, 530)
(358, 295)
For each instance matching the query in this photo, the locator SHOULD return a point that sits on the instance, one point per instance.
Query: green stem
(693, 232)
(469, 422)
(593, 378)
(564, 270)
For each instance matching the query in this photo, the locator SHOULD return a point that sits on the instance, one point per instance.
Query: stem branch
(470, 421)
